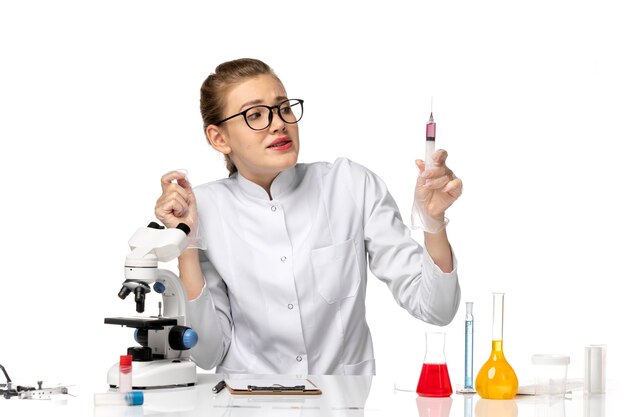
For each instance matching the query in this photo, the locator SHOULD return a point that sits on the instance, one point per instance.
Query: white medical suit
(286, 277)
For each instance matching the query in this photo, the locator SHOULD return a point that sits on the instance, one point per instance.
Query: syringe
(431, 127)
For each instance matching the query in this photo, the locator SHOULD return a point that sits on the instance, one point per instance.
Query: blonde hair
(214, 89)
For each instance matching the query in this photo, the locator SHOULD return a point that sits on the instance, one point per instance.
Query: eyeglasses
(260, 117)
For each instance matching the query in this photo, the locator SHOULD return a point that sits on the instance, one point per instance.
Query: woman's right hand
(177, 203)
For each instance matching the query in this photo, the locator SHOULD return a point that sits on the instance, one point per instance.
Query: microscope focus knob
(182, 338)
(159, 287)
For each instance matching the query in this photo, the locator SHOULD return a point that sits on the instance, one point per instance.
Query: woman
(280, 287)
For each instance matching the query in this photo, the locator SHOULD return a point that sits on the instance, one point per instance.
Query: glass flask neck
(496, 345)
(498, 317)
(469, 307)
(435, 347)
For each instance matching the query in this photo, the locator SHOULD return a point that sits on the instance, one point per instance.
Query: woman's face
(260, 155)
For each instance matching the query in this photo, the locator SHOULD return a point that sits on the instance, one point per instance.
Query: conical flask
(434, 379)
(496, 380)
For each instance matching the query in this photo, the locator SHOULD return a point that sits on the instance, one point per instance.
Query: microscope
(162, 358)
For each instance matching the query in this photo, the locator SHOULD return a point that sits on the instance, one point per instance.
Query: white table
(349, 396)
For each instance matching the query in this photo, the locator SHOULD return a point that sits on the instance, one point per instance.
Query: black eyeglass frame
(270, 116)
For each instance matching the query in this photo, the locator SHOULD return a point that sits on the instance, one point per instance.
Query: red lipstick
(281, 144)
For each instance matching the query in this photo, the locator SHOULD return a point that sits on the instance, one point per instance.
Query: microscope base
(162, 373)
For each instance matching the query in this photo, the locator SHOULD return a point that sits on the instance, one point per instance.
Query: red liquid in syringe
(434, 381)
(431, 128)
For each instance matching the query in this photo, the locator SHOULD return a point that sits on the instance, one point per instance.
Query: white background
(99, 98)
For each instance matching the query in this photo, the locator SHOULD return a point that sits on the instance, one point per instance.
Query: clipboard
(276, 386)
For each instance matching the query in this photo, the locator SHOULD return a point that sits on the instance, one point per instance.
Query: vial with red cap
(125, 383)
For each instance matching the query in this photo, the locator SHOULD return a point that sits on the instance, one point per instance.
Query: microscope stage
(155, 323)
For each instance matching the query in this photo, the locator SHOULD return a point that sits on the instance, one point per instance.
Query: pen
(220, 386)
(276, 388)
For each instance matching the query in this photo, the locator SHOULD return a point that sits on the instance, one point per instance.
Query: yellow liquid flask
(496, 380)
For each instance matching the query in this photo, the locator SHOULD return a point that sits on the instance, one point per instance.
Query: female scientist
(279, 286)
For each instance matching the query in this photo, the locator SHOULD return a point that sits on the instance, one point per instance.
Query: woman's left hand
(436, 189)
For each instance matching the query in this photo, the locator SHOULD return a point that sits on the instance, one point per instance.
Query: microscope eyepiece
(184, 228)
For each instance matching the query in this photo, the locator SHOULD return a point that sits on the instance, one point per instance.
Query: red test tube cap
(126, 360)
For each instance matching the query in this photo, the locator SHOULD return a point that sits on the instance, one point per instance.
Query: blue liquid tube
(469, 346)
(468, 405)
(117, 398)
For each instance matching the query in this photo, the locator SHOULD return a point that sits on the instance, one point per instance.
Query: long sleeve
(210, 316)
(286, 277)
(417, 284)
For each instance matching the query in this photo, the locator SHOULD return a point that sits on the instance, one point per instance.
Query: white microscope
(163, 357)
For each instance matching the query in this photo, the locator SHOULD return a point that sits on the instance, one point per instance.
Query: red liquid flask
(434, 379)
